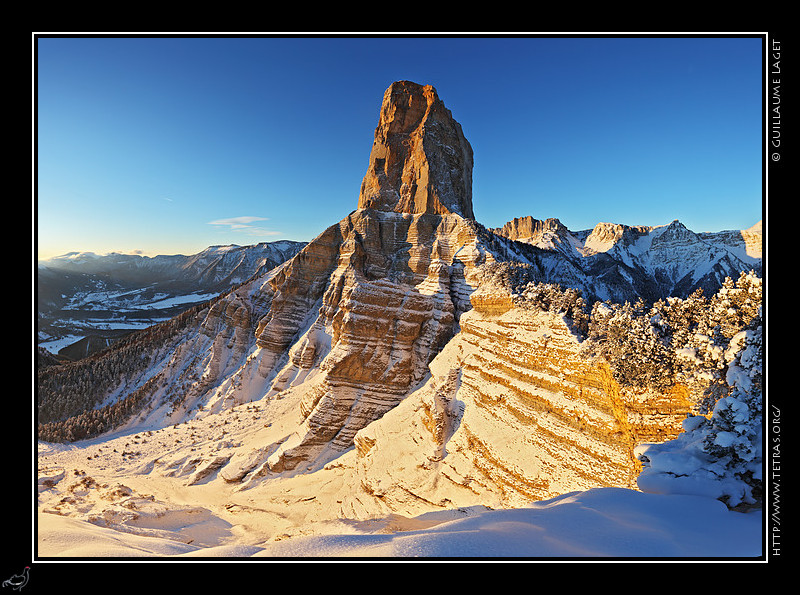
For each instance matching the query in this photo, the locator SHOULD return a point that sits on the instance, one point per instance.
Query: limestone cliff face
(358, 314)
(420, 161)
(513, 412)
(351, 322)
(753, 239)
(747, 242)
(530, 230)
(396, 287)
(605, 236)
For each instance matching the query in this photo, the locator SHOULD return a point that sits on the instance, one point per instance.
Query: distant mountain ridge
(81, 294)
(215, 267)
(620, 262)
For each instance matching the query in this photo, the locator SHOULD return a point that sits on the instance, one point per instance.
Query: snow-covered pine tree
(734, 433)
(720, 455)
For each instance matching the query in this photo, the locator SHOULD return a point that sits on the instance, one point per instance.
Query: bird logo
(18, 581)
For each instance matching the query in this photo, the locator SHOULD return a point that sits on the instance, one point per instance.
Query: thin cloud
(237, 222)
(243, 225)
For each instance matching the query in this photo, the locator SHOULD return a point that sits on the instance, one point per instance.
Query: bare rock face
(420, 161)
(753, 239)
(530, 230)
(394, 289)
(358, 314)
(512, 412)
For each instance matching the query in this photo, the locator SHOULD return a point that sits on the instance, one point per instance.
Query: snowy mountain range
(620, 262)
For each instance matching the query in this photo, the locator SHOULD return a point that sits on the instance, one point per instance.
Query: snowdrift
(599, 523)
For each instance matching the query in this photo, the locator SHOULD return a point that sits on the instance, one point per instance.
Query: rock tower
(420, 161)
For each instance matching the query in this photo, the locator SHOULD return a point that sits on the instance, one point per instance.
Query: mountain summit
(420, 161)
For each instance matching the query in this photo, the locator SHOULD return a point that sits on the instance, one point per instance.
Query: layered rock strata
(365, 306)
(349, 326)
(513, 412)
(398, 285)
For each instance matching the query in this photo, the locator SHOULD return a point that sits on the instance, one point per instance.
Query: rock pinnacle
(420, 160)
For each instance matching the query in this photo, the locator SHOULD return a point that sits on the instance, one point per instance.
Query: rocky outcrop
(513, 412)
(229, 326)
(748, 243)
(605, 236)
(420, 161)
(358, 314)
(530, 230)
(393, 300)
(368, 255)
(753, 239)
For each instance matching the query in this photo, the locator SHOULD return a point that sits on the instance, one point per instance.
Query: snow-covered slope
(602, 523)
(457, 469)
(511, 446)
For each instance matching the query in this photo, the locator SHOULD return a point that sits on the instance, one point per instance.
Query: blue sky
(169, 145)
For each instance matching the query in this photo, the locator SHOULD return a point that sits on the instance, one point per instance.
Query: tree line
(69, 395)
